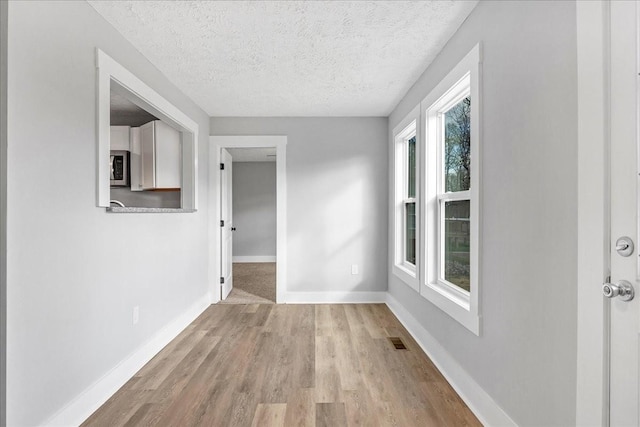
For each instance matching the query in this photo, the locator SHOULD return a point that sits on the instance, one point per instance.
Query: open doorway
(253, 225)
(251, 218)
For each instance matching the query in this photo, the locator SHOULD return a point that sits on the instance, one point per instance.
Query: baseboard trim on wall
(85, 404)
(339, 297)
(481, 404)
(261, 258)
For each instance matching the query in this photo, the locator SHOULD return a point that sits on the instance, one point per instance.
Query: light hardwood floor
(288, 365)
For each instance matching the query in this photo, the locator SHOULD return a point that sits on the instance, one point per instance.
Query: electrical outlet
(136, 314)
(354, 269)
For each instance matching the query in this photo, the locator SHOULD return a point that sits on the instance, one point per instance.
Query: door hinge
(221, 166)
(221, 223)
(222, 280)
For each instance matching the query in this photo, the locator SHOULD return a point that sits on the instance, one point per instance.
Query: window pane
(411, 168)
(410, 232)
(457, 239)
(457, 146)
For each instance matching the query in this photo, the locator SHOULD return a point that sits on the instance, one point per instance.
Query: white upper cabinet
(120, 138)
(160, 156)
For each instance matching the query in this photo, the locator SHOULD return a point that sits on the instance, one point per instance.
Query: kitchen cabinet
(119, 138)
(160, 156)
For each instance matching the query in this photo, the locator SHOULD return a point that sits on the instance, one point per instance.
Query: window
(406, 200)
(436, 195)
(114, 79)
(454, 195)
(451, 117)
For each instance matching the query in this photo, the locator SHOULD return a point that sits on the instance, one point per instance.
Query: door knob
(622, 289)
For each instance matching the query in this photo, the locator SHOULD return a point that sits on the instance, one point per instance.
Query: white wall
(74, 271)
(337, 197)
(254, 209)
(525, 357)
(3, 210)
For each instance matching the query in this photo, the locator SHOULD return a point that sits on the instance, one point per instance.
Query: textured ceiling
(289, 58)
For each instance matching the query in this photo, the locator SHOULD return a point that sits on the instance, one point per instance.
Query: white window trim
(457, 303)
(405, 271)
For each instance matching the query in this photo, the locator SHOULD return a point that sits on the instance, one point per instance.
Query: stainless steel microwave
(120, 169)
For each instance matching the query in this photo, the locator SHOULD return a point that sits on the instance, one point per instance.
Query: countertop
(118, 209)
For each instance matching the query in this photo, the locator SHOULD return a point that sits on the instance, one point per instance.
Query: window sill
(452, 303)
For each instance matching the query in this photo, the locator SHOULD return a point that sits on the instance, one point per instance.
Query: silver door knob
(622, 289)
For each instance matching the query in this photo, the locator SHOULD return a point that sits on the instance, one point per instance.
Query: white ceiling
(252, 154)
(289, 58)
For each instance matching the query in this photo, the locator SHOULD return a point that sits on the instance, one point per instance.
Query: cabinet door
(119, 138)
(168, 156)
(147, 156)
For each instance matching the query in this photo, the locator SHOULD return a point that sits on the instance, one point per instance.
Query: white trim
(249, 141)
(259, 258)
(592, 247)
(88, 401)
(403, 270)
(462, 80)
(134, 89)
(477, 399)
(336, 297)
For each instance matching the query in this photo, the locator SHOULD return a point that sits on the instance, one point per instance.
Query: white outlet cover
(136, 314)
(354, 269)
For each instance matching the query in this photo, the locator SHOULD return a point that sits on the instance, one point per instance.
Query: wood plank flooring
(288, 365)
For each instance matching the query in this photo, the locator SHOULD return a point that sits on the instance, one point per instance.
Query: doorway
(249, 230)
(253, 225)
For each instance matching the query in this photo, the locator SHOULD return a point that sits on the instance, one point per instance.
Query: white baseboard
(85, 404)
(333, 297)
(260, 258)
(481, 404)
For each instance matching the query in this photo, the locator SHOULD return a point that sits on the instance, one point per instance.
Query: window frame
(463, 80)
(403, 132)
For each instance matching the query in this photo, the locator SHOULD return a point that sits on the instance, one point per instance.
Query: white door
(625, 315)
(226, 218)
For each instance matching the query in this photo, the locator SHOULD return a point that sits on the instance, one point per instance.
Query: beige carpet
(253, 283)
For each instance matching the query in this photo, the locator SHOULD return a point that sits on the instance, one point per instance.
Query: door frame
(217, 143)
(593, 246)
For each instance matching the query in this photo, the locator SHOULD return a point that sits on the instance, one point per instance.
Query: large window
(406, 198)
(452, 140)
(437, 201)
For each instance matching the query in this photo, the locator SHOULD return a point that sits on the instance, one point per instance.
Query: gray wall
(525, 357)
(337, 198)
(74, 271)
(254, 208)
